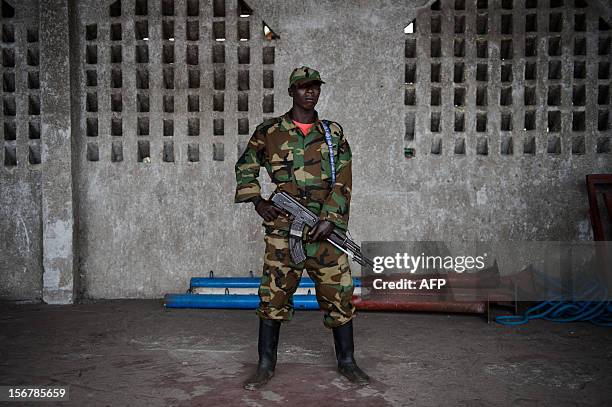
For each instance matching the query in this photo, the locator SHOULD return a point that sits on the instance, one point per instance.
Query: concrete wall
(20, 156)
(144, 228)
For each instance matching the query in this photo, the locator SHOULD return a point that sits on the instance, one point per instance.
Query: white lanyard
(331, 152)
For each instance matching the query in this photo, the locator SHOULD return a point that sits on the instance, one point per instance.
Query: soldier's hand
(321, 231)
(267, 210)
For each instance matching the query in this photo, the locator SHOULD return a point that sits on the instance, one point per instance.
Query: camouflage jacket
(299, 165)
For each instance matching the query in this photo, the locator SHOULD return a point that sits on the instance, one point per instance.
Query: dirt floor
(136, 353)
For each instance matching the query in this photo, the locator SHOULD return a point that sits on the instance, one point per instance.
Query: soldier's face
(306, 96)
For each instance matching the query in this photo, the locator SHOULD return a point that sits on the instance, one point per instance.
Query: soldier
(295, 151)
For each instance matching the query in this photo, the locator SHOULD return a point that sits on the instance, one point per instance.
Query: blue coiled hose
(596, 312)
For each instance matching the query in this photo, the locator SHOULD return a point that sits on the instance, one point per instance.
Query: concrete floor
(136, 353)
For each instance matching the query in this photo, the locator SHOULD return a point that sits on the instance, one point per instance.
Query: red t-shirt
(304, 127)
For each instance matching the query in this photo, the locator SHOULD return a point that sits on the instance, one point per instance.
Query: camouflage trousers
(326, 265)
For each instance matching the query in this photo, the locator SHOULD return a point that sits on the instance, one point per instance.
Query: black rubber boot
(343, 341)
(269, 330)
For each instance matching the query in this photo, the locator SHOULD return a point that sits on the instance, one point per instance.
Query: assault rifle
(302, 216)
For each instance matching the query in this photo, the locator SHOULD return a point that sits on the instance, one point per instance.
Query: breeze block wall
(20, 156)
(122, 122)
(169, 92)
(512, 91)
(533, 75)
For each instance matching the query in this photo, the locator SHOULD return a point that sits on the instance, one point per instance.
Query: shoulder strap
(330, 146)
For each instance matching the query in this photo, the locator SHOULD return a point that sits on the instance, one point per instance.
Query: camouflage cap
(304, 74)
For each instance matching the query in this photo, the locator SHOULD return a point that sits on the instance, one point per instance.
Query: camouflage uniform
(299, 165)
